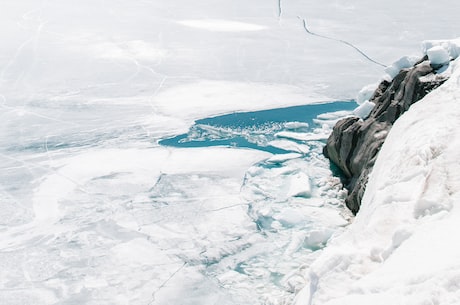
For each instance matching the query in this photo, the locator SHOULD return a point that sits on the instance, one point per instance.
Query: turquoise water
(254, 129)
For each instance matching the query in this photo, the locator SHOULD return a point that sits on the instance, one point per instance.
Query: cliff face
(354, 143)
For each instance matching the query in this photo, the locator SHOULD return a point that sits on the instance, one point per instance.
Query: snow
(318, 238)
(363, 110)
(191, 101)
(290, 146)
(366, 93)
(300, 186)
(222, 25)
(438, 55)
(302, 136)
(283, 157)
(401, 246)
(95, 211)
(295, 125)
(451, 46)
(402, 63)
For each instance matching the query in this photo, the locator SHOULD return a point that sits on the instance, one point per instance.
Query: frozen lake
(112, 187)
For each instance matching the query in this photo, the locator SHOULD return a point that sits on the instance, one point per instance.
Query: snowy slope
(403, 247)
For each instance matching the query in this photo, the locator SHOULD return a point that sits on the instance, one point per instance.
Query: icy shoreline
(94, 211)
(401, 247)
(356, 141)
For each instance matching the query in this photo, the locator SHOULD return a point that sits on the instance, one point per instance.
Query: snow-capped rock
(402, 247)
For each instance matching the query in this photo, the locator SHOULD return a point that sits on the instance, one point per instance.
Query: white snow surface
(363, 110)
(438, 55)
(222, 25)
(451, 46)
(365, 94)
(402, 247)
(402, 63)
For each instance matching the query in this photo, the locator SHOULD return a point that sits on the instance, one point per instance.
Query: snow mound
(318, 238)
(300, 186)
(452, 47)
(402, 63)
(401, 245)
(438, 55)
(366, 93)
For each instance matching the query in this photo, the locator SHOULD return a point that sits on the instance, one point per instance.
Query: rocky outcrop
(354, 143)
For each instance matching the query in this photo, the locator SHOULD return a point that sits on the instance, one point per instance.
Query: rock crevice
(354, 143)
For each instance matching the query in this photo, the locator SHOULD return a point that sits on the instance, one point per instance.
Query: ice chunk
(451, 46)
(297, 239)
(366, 93)
(402, 63)
(336, 115)
(290, 145)
(295, 283)
(301, 136)
(318, 238)
(283, 157)
(300, 186)
(295, 125)
(438, 55)
(290, 217)
(364, 109)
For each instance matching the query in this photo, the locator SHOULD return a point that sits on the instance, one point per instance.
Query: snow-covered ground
(95, 211)
(403, 246)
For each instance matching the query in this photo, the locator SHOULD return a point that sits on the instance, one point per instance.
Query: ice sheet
(86, 91)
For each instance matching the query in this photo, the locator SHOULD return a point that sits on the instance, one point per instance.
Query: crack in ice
(280, 9)
(341, 41)
(164, 283)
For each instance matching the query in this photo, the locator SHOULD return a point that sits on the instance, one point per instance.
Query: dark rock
(354, 143)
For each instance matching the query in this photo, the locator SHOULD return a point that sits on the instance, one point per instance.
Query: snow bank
(366, 93)
(438, 55)
(451, 46)
(440, 52)
(402, 247)
(402, 63)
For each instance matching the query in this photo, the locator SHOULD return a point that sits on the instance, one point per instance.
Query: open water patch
(262, 130)
(291, 201)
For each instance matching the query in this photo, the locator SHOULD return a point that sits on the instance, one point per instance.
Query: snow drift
(402, 247)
